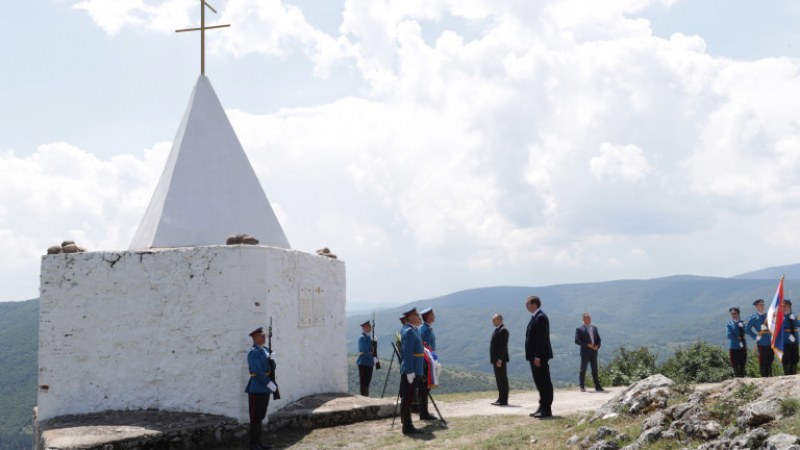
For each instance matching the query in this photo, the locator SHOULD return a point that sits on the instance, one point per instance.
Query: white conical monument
(208, 190)
(165, 324)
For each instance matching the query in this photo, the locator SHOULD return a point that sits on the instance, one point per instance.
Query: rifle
(277, 394)
(375, 344)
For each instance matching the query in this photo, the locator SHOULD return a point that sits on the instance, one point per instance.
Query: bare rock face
(752, 439)
(697, 428)
(760, 412)
(658, 419)
(641, 397)
(782, 442)
(54, 250)
(604, 445)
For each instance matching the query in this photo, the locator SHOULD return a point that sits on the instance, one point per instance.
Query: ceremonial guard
(411, 367)
(757, 329)
(366, 360)
(737, 347)
(790, 326)
(429, 339)
(260, 386)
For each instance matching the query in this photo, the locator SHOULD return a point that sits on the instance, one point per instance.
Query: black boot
(409, 429)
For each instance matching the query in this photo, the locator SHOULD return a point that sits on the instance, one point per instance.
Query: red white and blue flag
(775, 321)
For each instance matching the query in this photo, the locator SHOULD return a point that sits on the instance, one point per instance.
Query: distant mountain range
(660, 314)
(791, 271)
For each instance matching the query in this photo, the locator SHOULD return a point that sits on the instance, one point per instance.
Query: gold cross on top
(202, 29)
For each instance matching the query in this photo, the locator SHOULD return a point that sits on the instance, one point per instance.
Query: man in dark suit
(498, 357)
(539, 352)
(587, 337)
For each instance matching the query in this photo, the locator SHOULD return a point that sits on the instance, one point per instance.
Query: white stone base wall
(168, 328)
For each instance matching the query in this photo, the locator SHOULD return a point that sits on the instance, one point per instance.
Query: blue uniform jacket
(757, 329)
(790, 327)
(413, 353)
(257, 362)
(426, 332)
(736, 335)
(365, 350)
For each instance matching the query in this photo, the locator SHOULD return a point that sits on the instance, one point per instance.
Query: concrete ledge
(330, 410)
(156, 430)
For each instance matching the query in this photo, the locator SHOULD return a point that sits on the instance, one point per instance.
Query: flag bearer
(757, 329)
(737, 347)
(790, 326)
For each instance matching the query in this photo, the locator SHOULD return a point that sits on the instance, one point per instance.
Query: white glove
(410, 377)
(741, 324)
(272, 356)
(791, 338)
(272, 386)
(375, 359)
(763, 326)
(741, 344)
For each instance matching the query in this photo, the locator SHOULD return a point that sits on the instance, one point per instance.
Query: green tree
(628, 366)
(700, 362)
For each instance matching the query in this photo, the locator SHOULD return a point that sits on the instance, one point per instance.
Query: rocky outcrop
(747, 406)
(644, 396)
(760, 412)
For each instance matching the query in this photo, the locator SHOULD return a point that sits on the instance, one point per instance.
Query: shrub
(628, 366)
(701, 362)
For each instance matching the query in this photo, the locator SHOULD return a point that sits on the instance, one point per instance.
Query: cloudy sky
(434, 145)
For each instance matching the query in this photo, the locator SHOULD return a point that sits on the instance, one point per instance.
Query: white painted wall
(167, 328)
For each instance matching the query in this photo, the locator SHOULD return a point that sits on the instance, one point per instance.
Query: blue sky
(434, 145)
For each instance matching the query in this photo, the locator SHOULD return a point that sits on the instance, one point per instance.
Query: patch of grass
(746, 392)
(790, 406)
(788, 425)
(724, 410)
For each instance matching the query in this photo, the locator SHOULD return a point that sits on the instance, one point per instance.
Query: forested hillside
(19, 341)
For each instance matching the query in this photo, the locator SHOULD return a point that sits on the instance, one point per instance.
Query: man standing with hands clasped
(539, 352)
(589, 340)
(498, 357)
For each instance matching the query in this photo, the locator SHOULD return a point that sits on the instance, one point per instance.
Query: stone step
(178, 430)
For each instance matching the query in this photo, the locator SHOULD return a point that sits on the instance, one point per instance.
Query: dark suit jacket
(498, 349)
(582, 338)
(537, 338)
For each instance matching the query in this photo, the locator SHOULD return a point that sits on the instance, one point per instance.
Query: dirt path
(565, 402)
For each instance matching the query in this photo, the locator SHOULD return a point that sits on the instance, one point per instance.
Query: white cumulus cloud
(625, 163)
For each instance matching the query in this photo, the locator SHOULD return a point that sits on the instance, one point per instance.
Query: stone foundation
(162, 430)
(167, 329)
